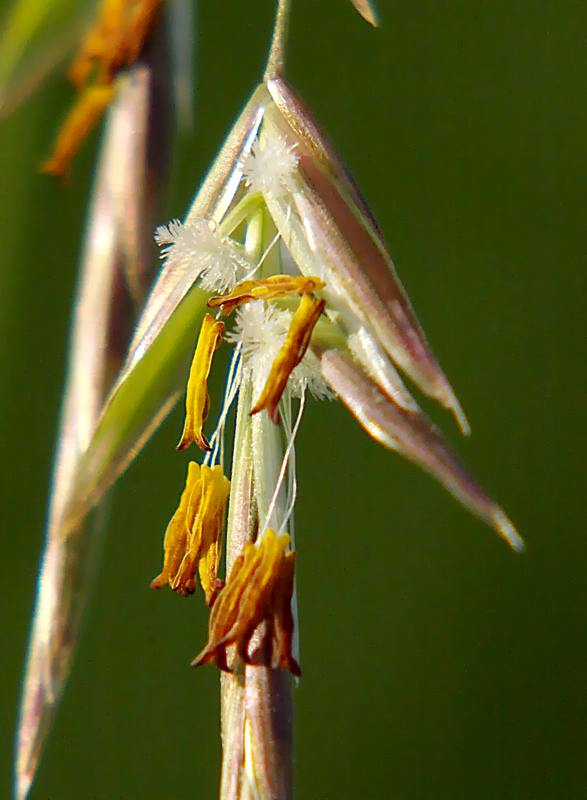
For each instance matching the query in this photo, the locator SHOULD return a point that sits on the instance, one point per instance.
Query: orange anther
(77, 125)
(290, 354)
(267, 289)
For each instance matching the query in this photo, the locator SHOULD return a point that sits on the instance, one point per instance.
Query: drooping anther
(270, 288)
(258, 591)
(193, 539)
(197, 401)
(82, 118)
(290, 354)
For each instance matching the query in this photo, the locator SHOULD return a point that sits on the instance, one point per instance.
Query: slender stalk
(256, 703)
(269, 731)
(256, 706)
(276, 60)
(242, 524)
(116, 257)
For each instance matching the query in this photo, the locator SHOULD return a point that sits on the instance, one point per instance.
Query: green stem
(244, 209)
(256, 703)
(276, 60)
(242, 524)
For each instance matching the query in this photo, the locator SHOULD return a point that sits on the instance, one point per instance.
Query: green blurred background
(437, 664)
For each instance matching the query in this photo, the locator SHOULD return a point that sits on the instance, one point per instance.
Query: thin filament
(232, 383)
(268, 249)
(284, 465)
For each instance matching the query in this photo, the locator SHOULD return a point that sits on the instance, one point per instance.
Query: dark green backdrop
(437, 664)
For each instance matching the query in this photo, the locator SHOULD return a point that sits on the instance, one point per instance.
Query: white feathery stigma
(307, 375)
(270, 167)
(261, 329)
(217, 261)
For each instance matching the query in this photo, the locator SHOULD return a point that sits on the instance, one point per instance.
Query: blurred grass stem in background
(115, 272)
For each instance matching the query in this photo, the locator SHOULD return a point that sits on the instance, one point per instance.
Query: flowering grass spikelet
(280, 257)
(323, 311)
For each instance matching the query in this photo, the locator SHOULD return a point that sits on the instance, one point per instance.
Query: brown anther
(193, 539)
(267, 289)
(290, 354)
(197, 398)
(258, 591)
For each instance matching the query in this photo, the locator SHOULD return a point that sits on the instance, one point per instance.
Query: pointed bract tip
(445, 395)
(22, 784)
(505, 528)
(367, 10)
(456, 410)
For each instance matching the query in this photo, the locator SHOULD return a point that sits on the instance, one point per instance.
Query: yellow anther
(77, 125)
(207, 528)
(267, 289)
(175, 542)
(197, 398)
(259, 590)
(193, 539)
(115, 41)
(290, 354)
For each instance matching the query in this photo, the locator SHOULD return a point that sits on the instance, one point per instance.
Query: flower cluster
(280, 259)
(309, 299)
